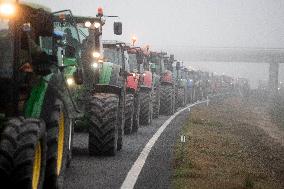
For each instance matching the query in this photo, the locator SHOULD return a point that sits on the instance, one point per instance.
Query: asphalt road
(110, 172)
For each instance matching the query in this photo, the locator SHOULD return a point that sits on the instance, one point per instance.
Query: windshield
(68, 29)
(83, 32)
(6, 50)
(133, 62)
(112, 55)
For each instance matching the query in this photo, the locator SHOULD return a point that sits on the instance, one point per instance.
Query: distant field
(229, 145)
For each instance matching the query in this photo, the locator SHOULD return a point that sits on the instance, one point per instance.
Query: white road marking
(136, 168)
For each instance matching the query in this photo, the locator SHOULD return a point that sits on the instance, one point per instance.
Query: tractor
(181, 85)
(146, 90)
(102, 95)
(86, 80)
(134, 81)
(37, 109)
(188, 75)
(111, 93)
(163, 67)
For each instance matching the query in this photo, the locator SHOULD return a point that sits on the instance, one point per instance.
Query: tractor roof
(134, 50)
(37, 6)
(39, 18)
(112, 43)
(83, 19)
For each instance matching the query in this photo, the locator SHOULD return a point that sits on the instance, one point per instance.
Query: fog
(175, 25)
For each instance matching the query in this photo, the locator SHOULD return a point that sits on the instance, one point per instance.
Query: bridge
(271, 56)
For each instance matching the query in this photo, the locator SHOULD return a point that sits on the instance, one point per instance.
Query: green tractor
(166, 86)
(155, 69)
(134, 81)
(181, 85)
(103, 94)
(187, 74)
(111, 97)
(37, 110)
(43, 83)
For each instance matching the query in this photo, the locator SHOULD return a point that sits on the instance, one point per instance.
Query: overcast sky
(221, 23)
(176, 24)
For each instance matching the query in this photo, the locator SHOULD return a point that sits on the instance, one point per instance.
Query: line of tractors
(56, 73)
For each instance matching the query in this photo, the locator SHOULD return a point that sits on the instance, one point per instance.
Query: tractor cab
(136, 60)
(22, 60)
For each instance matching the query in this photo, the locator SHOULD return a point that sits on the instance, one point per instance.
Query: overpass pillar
(273, 78)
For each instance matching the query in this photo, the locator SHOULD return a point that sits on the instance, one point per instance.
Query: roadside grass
(213, 156)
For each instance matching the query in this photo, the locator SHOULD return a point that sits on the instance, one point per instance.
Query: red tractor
(132, 98)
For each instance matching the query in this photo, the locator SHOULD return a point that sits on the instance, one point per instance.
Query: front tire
(28, 152)
(103, 131)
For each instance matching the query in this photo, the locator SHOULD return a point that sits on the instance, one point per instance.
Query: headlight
(97, 24)
(7, 9)
(96, 54)
(70, 81)
(95, 65)
(88, 24)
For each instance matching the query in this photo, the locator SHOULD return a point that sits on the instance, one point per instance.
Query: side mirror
(78, 76)
(117, 28)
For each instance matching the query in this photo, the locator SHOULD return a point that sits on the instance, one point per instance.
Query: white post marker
(136, 168)
(207, 103)
(182, 138)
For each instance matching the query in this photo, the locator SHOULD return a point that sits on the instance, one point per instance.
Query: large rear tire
(146, 111)
(167, 106)
(59, 134)
(129, 112)
(23, 142)
(103, 131)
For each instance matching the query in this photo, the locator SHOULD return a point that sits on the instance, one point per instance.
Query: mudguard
(48, 89)
(33, 107)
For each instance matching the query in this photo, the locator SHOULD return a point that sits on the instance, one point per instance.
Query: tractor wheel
(8, 146)
(156, 103)
(167, 106)
(145, 108)
(136, 125)
(59, 136)
(129, 112)
(30, 156)
(181, 100)
(103, 131)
